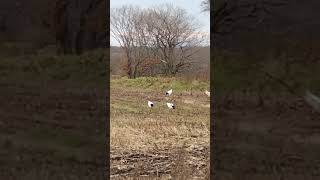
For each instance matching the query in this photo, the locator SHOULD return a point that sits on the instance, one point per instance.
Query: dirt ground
(54, 130)
(276, 141)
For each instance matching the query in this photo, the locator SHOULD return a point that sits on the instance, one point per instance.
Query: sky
(191, 6)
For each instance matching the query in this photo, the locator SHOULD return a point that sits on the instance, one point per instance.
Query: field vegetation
(53, 115)
(159, 142)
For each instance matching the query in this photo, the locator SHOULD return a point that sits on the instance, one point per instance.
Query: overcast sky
(191, 6)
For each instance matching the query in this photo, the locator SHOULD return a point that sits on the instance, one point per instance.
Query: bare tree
(163, 35)
(91, 27)
(61, 27)
(74, 25)
(129, 28)
(123, 30)
(205, 5)
(174, 36)
(143, 54)
(231, 15)
(3, 22)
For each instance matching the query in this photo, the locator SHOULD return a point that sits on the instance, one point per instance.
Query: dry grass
(158, 143)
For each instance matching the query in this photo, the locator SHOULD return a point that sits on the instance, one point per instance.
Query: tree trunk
(78, 42)
(85, 40)
(62, 28)
(129, 68)
(79, 36)
(67, 43)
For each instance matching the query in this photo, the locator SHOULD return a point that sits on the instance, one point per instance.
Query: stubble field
(159, 143)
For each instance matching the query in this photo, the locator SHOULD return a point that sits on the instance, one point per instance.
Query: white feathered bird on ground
(169, 92)
(150, 104)
(312, 100)
(163, 61)
(171, 106)
(207, 93)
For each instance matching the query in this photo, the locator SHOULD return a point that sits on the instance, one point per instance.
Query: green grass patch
(160, 83)
(88, 67)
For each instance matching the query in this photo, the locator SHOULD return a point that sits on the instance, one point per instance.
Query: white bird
(164, 61)
(207, 93)
(171, 106)
(169, 92)
(312, 100)
(150, 104)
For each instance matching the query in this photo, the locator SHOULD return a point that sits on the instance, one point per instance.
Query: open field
(271, 142)
(159, 143)
(261, 130)
(52, 122)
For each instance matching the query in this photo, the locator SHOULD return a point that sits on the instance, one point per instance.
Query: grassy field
(159, 143)
(52, 122)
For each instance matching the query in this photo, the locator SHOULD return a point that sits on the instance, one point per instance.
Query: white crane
(169, 92)
(207, 93)
(164, 61)
(150, 104)
(312, 100)
(171, 106)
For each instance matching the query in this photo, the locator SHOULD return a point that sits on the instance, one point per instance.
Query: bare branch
(229, 16)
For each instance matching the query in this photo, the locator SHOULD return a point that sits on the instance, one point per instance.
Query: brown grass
(158, 143)
(50, 128)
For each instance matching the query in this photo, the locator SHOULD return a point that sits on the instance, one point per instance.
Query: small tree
(122, 29)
